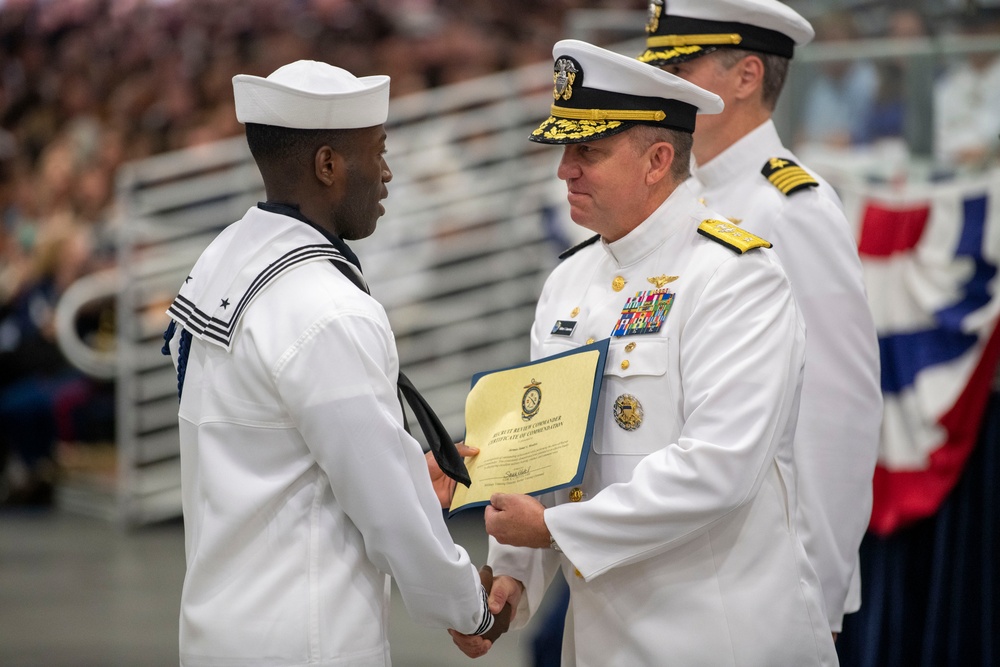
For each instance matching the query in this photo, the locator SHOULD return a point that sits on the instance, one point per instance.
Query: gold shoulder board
(731, 236)
(787, 176)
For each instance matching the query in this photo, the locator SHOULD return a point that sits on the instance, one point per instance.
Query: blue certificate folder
(523, 457)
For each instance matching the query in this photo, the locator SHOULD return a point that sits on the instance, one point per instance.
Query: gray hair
(775, 71)
(644, 136)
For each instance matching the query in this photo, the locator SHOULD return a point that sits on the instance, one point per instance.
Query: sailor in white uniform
(302, 489)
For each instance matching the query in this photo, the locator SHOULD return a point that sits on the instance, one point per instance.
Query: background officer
(740, 50)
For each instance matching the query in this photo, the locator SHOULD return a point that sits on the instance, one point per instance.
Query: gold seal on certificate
(532, 425)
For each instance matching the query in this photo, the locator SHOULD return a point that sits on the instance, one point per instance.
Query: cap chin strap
(729, 39)
(606, 114)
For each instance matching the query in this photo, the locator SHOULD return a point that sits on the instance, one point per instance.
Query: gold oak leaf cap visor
(598, 93)
(311, 95)
(681, 30)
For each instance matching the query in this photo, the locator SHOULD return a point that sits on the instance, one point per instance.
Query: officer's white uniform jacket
(301, 489)
(682, 551)
(836, 444)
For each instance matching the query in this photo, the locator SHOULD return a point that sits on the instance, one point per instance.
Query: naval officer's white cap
(599, 93)
(311, 95)
(680, 30)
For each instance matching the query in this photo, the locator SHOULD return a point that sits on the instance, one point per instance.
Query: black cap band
(677, 115)
(684, 31)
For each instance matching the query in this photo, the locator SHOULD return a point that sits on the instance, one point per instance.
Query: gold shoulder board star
(662, 280)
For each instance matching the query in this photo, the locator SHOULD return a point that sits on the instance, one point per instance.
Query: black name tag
(563, 328)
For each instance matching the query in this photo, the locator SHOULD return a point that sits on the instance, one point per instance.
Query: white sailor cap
(599, 93)
(312, 95)
(680, 30)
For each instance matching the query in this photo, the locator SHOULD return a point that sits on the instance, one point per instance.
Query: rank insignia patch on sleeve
(787, 176)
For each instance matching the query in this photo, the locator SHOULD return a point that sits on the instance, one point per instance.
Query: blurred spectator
(840, 99)
(967, 101)
(45, 245)
(888, 113)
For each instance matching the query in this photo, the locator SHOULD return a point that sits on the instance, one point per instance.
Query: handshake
(502, 602)
(517, 520)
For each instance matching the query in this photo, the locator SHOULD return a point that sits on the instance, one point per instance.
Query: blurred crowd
(86, 85)
(943, 105)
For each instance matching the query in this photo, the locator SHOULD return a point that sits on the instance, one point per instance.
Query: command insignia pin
(653, 14)
(628, 412)
(564, 76)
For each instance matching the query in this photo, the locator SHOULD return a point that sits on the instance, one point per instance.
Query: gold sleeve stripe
(606, 114)
(688, 40)
(789, 172)
(790, 178)
(785, 184)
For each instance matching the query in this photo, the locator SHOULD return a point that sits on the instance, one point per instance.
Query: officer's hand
(502, 613)
(517, 520)
(505, 593)
(444, 486)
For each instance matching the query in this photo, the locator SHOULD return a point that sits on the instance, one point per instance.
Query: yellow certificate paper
(532, 424)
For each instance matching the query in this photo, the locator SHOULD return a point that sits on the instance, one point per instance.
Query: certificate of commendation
(532, 425)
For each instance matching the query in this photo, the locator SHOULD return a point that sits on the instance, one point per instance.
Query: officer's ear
(330, 168)
(750, 72)
(661, 158)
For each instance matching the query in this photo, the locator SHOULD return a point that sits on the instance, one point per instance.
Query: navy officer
(679, 546)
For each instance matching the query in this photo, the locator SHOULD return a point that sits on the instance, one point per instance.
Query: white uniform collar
(675, 213)
(745, 156)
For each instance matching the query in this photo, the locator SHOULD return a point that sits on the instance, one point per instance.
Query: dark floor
(80, 592)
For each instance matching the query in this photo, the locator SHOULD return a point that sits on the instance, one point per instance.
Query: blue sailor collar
(265, 244)
(679, 211)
